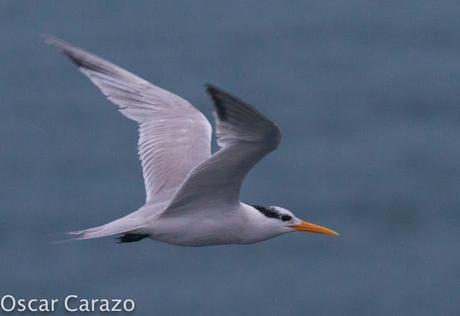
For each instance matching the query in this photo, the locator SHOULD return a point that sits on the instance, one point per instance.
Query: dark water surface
(367, 97)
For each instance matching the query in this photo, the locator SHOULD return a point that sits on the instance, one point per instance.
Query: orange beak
(312, 228)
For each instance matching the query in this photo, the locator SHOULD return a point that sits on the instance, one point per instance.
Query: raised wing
(245, 137)
(174, 136)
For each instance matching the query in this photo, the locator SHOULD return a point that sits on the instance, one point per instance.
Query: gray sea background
(366, 94)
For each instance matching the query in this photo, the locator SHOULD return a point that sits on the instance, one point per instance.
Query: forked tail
(128, 225)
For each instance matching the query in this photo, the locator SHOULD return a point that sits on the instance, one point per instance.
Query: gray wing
(245, 137)
(174, 136)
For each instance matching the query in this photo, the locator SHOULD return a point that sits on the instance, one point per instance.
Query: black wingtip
(210, 88)
(72, 52)
(216, 94)
(214, 91)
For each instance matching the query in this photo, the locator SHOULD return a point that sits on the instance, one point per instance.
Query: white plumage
(192, 197)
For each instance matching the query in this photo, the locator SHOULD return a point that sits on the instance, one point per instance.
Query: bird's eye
(286, 218)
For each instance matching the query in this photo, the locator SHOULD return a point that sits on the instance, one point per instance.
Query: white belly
(195, 232)
(209, 228)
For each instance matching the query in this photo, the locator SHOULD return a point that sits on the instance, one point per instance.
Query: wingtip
(214, 93)
(57, 43)
(209, 87)
(51, 40)
(212, 89)
(72, 52)
(45, 36)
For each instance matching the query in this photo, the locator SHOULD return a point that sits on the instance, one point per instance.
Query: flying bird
(192, 195)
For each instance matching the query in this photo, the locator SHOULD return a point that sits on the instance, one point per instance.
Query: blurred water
(366, 95)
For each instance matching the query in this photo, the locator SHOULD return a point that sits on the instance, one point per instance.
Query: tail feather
(120, 226)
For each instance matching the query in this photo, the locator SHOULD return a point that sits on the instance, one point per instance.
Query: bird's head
(284, 221)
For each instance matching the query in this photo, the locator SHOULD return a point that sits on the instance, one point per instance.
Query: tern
(192, 195)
